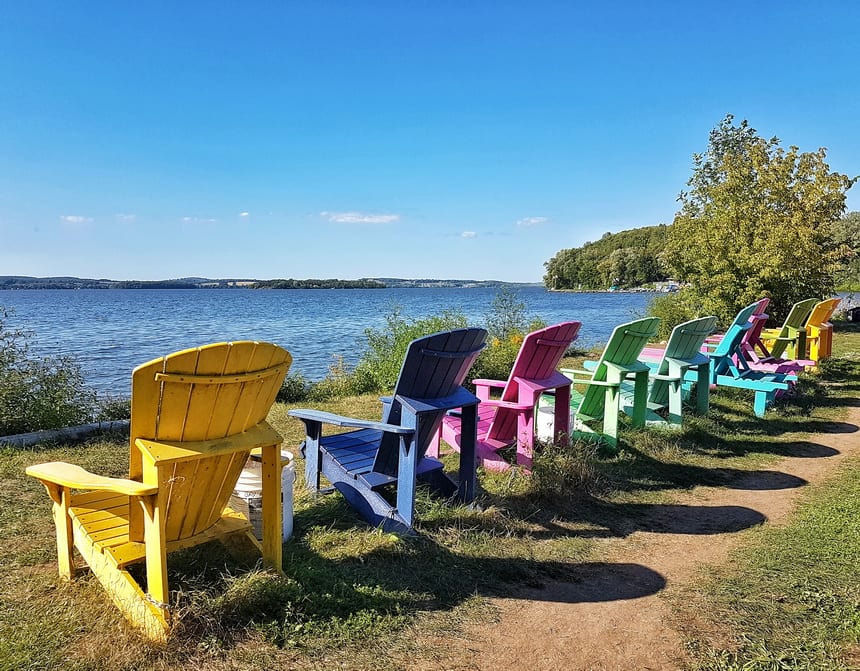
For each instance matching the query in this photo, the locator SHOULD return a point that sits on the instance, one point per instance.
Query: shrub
(673, 309)
(112, 408)
(38, 393)
(380, 364)
(294, 388)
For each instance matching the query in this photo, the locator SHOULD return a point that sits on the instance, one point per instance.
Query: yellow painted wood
(196, 415)
(63, 525)
(163, 450)
(69, 475)
(272, 511)
(125, 593)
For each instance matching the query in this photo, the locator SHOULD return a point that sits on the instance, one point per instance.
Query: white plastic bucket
(248, 494)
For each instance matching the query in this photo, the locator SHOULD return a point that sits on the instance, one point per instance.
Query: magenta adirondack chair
(509, 419)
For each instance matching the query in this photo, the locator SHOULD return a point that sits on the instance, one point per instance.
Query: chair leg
(561, 413)
(272, 509)
(526, 438)
(313, 431)
(640, 398)
(703, 390)
(407, 476)
(63, 523)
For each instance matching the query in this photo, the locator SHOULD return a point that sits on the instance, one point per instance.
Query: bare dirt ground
(616, 617)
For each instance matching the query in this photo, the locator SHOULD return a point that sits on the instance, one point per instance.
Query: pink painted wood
(509, 418)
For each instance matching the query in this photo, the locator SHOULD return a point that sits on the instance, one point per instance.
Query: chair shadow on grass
(382, 579)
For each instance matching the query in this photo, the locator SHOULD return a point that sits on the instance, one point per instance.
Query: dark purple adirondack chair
(509, 419)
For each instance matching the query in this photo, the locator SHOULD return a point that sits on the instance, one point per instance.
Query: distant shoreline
(22, 283)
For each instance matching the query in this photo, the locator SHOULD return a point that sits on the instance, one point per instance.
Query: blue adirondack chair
(391, 453)
(729, 367)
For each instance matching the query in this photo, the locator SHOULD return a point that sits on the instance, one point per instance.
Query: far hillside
(623, 260)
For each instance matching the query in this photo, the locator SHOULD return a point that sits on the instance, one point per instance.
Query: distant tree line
(319, 284)
(626, 259)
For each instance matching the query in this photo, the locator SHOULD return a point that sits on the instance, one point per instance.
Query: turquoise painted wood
(509, 419)
(682, 355)
(391, 453)
(600, 399)
(729, 368)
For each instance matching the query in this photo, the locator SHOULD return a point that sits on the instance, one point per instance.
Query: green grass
(790, 597)
(356, 598)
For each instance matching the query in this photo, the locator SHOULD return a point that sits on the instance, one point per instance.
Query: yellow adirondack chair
(195, 417)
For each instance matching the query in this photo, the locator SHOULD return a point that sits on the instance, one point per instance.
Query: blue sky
(403, 139)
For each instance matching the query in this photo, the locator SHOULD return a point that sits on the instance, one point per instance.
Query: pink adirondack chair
(509, 419)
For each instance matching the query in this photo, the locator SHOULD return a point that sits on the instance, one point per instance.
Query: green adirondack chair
(601, 398)
(791, 337)
(669, 367)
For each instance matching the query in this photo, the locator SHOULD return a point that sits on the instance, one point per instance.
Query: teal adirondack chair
(509, 419)
(669, 369)
(601, 399)
(791, 337)
(729, 368)
(390, 454)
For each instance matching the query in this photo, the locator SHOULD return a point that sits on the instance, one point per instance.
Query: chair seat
(101, 520)
(355, 451)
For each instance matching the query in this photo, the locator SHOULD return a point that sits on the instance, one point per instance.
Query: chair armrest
(481, 382)
(508, 404)
(75, 477)
(577, 372)
(635, 367)
(461, 397)
(308, 415)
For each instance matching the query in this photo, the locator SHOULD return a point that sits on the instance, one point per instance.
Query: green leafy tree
(756, 222)
(846, 234)
(627, 259)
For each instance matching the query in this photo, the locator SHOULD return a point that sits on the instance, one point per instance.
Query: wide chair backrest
(683, 348)
(536, 364)
(434, 367)
(200, 395)
(623, 349)
(731, 342)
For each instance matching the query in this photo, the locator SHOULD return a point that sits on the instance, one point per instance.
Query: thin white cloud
(527, 222)
(126, 218)
(76, 219)
(198, 220)
(360, 217)
(468, 234)
(244, 215)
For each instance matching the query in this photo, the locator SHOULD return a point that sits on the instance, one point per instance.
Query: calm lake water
(110, 331)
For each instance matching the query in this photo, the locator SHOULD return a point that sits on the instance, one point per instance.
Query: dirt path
(615, 617)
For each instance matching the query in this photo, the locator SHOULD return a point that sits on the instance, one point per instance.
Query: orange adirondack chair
(509, 419)
(195, 417)
(819, 330)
